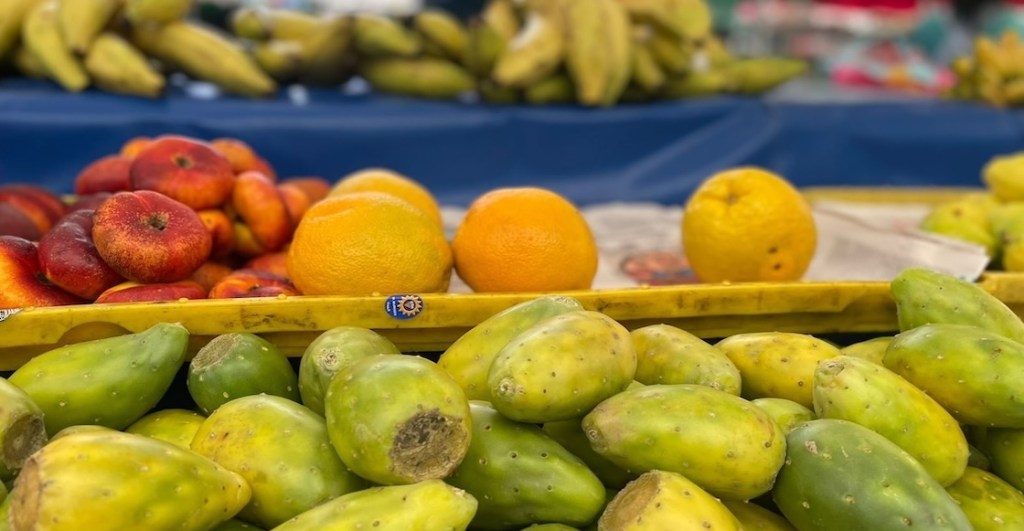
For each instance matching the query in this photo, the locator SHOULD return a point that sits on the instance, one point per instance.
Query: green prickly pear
(926, 297)
(239, 364)
(3, 491)
(235, 524)
(282, 450)
(397, 419)
(868, 394)
(429, 505)
(176, 426)
(753, 517)
(872, 350)
(725, 444)
(331, 352)
(550, 527)
(1005, 451)
(665, 500)
(669, 355)
(786, 413)
(989, 502)
(106, 479)
(469, 358)
(965, 369)
(777, 364)
(521, 476)
(78, 428)
(562, 367)
(977, 459)
(110, 382)
(5, 512)
(569, 434)
(22, 430)
(841, 475)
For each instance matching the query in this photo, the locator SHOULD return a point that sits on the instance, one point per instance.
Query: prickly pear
(989, 502)
(235, 524)
(176, 426)
(239, 364)
(111, 382)
(725, 444)
(520, 476)
(22, 431)
(841, 475)
(282, 450)
(469, 358)
(753, 517)
(331, 352)
(665, 500)
(427, 505)
(777, 364)
(786, 413)
(1005, 450)
(669, 355)
(562, 367)
(396, 419)
(872, 349)
(569, 433)
(550, 527)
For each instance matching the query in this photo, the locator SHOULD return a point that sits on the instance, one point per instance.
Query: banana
(440, 28)
(282, 60)
(81, 21)
(42, 37)
(117, 66)
(686, 19)
(598, 50)
(718, 54)
(327, 54)
(990, 56)
(28, 64)
(620, 50)
(1014, 91)
(381, 36)
(484, 48)
(696, 84)
(492, 92)
(503, 16)
(754, 76)
(671, 52)
(536, 52)
(204, 53)
(431, 49)
(156, 11)
(424, 77)
(12, 14)
(250, 23)
(557, 88)
(647, 73)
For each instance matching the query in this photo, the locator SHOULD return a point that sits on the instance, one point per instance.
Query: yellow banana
(717, 53)
(205, 53)
(117, 66)
(557, 88)
(754, 76)
(619, 41)
(432, 49)
(327, 54)
(503, 16)
(81, 21)
(671, 52)
(686, 19)
(594, 67)
(442, 29)
(28, 64)
(647, 73)
(250, 23)
(536, 52)
(156, 11)
(424, 77)
(484, 47)
(381, 36)
(12, 14)
(696, 84)
(991, 56)
(42, 37)
(282, 60)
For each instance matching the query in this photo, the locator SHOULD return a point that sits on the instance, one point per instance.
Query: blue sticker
(404, 306)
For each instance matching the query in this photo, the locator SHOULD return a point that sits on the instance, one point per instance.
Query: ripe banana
(717, 53)
(12, 14)
(503, 16)
(326, 52)
(156, 11)
(758, 75)
(484, 47)
(42, 37)
(282, 60)
(536, 52)
(81, 21)
(204, 53)
(443, 30)
(671, 52)
(249, 23)
(492, 92)
(557, 88)
(117, 66)
(28, 64)
(381, 36)
(620, 50)
(686, 19)
(647, 73)
(424, 77)
(598, 50)
(696, 84)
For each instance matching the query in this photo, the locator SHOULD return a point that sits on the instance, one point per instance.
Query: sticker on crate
(4, 314)
(404, 306)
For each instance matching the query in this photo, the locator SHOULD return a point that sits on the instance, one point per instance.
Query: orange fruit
(524, 239)
(748, 224)
(390, 182)
(367, 243)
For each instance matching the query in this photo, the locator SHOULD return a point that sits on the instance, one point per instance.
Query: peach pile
(165, 219)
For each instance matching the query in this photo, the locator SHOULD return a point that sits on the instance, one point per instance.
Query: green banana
(536, 52)
(43, 39)
(443, 30)
(686, 19)
(587, 55)
(380, 36)
(761, 74)
(672, 53)
(697, 84)
(205, 53)
(485, 45)
(647, 73)
(425, 77)
(81, 21)
(503, 16)
(492, 92)
(12, 15)
(326, 52)
(557, 88)
(117, 66)
(281, 60)
(156, 11)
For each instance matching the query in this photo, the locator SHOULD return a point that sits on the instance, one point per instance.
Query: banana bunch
(994, 73)
(122, 46)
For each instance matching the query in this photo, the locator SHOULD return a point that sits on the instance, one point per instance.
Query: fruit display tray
(431, 322)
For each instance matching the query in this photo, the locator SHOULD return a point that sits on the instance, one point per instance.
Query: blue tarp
(645, 152)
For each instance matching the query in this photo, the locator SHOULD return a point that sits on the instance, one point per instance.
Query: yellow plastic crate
(708, 311)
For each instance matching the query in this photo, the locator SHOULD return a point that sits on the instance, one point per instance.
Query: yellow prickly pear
(777, 364)
(668, 355)
(872, 349)
(665, 500)
(786, 413)
(753, 517)
(176, 426)
(990, 503)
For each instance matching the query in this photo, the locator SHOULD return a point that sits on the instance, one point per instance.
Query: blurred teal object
(933, 30)
(1002, 19)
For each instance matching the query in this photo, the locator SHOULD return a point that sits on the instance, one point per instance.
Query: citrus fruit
(748, 224)
(366, 243)
(524, 239)
(390, 182)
